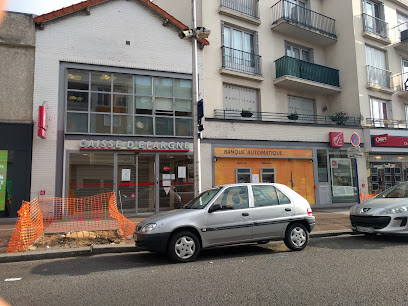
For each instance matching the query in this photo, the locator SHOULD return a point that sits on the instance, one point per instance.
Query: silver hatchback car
(229, 214)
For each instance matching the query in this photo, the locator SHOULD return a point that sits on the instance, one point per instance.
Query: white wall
(99, 39)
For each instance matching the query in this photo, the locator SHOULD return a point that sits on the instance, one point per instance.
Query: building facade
(17, 47)
(119, 101)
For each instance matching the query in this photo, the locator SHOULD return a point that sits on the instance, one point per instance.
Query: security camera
(186, 33)
(203, 32)
(215, 159)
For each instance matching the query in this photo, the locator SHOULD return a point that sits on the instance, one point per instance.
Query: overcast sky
(38, 7)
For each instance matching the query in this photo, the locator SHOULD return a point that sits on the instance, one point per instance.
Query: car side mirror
(215, 207)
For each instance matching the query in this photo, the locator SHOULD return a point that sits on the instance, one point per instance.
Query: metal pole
(196, 138)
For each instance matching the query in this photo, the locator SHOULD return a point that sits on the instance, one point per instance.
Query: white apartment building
(313, 59)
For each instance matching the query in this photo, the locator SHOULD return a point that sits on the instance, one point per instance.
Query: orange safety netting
(364, 196)
(54, 215)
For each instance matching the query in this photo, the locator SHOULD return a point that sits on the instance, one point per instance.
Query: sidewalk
(329, 222)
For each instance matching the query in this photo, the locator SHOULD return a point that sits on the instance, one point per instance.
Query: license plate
(364, 229)
(135, 237)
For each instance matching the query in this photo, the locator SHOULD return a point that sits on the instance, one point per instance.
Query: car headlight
(149, 227)
(396, 210)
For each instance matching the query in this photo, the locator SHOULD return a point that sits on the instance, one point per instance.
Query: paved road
(343, 270)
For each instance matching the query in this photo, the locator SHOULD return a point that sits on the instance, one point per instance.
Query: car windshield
(202, 200)
(398, 191)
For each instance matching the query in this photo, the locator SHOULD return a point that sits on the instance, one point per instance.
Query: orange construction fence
(55, 215)
(364, 196)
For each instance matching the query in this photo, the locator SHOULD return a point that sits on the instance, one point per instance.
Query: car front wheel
(296, 237)
(183, 247)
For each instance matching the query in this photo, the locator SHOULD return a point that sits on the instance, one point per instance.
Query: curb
(112, 249)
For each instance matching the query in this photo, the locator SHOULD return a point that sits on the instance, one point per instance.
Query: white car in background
(230, 214)
(386, 213)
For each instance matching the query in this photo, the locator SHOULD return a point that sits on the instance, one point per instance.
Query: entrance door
(146, 196)
(127, 166)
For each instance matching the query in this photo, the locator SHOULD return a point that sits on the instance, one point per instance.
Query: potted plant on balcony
(293, 116)
(340, 118)
(246, 113)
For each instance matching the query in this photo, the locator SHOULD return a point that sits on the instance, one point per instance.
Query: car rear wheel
(183, 247)
(296, 237)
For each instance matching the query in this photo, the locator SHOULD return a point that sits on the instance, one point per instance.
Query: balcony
(284, 118)
(305, 76)
(298, 22)
(379, 79)
(244, 63)
(401, 32)
(375, 28)
(400, 84)
(386, 123)
(242, 9)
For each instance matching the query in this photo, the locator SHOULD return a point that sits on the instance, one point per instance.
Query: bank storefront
(387, 160)
(129, 131)
(324, 176)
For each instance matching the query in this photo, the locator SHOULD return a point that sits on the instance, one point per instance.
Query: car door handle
(288, 209)
(245, 214)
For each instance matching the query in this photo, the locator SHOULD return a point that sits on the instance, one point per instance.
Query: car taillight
(309, 211)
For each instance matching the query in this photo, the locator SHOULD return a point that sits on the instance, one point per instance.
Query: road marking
(12, 279)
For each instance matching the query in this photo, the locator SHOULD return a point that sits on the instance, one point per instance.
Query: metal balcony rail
(387, 123)
(241, 61)
(246, 7)
(287, 65)
(379, 77)
(401, 32)
(293, 13)
(375, 25)
(284, 118)
(400, 82)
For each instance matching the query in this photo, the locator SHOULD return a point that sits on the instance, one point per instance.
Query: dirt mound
(77, 239)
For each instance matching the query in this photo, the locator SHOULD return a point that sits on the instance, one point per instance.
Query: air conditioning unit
(404, 35)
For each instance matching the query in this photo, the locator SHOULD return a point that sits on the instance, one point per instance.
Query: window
(238, 98)
(377, 73)
(233, 198)
(126, 104)
(374, 18)
(299, 52)
(296, 11)
(265, 195)
(302, 106)
(240, 50)
(378, 112)
(402, 21)
(323, 174)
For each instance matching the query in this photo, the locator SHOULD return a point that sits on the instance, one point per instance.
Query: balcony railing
(241, 61)
(387, 123)
(287, 65)
(375, 25)
(293, 13)
(246, 7)
(378, 77)
(283, 118)
(400, 82)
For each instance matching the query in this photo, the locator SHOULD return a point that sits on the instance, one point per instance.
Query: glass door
(145, 191)
(126, 179)
(176, 181)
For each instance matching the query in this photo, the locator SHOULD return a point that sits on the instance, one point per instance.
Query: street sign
(355, 152)
(166, 190)
(355, 139)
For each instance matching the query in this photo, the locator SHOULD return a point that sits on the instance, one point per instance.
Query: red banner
(390, 141)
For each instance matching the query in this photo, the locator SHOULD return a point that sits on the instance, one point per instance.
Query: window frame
(130, 107)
